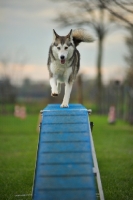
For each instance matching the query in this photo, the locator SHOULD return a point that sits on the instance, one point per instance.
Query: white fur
(61, 72)
(62, 51)
(68, 89)
(59, 61)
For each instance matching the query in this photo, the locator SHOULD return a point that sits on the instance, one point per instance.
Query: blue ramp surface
(64, 166)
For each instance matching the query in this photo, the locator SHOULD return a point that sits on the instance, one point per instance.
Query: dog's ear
(55, 35)
(70, 35)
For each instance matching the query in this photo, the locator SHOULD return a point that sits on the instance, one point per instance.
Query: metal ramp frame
(66, 156)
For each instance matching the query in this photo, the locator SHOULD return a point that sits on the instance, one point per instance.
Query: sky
(26, 34)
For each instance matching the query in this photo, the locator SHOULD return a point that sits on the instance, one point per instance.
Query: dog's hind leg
(68, 89)
(54, 89)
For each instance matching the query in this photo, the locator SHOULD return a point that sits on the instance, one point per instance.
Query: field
(17, 156)
(19, 138)
(114, 148)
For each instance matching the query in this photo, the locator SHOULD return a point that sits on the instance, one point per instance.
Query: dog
(64, 61)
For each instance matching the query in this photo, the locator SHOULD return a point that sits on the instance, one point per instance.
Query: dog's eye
(58, 48)
(66, 48)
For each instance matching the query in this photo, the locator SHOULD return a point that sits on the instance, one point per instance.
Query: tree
(120, 9)
(9, 79)
(129, 57)
(8, 91)
(129, 78)
(79, 86)
(92, 14)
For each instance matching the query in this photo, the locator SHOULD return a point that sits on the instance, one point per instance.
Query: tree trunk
(80, 92)
(99, 75)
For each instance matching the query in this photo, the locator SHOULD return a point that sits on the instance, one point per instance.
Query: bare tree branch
(123, 7)
(115, 14)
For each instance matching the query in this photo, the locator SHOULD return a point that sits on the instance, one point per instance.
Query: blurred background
(104, 84)
(106, 74)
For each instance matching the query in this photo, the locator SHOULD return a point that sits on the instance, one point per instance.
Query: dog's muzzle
(62, 59)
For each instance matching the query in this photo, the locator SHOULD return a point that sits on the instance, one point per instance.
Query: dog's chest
(60, 72)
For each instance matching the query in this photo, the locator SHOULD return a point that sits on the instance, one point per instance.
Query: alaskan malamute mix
(64, 61)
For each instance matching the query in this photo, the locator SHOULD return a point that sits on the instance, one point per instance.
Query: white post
(99, 184)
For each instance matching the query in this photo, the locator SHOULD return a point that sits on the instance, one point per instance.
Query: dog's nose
(62, 57)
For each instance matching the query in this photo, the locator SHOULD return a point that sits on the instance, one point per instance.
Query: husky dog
(64, 61)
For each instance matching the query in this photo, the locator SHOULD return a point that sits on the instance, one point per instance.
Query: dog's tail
(81, 35)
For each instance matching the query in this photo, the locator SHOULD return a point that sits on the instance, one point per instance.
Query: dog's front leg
(68, 89)
(54, 89)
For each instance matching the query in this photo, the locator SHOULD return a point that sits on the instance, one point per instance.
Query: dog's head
(63, 46)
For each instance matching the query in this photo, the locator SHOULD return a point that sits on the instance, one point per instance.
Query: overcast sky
(26, 32)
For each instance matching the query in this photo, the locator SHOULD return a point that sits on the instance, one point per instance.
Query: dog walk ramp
(64, 166)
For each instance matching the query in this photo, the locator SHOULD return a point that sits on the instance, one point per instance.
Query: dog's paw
(54, 94)
(64, 105)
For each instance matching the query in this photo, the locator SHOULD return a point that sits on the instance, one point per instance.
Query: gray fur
(64, 61)
(50, 58)
(74, 61)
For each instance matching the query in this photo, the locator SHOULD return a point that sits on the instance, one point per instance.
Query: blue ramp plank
(82, 137)
(73, 127)
(68, 157)
(64, 166)
(65, 147)
(64, 182)
(70, 194)
(57, 119)
(65, 170)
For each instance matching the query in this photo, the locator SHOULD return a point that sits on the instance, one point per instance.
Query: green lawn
(19, 138)
(17, 156)
(114, 148)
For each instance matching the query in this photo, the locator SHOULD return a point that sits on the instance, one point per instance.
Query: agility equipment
(66, 165)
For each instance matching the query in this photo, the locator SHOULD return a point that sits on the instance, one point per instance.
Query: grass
(17, 156)
(114, 149)
(19, 138)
